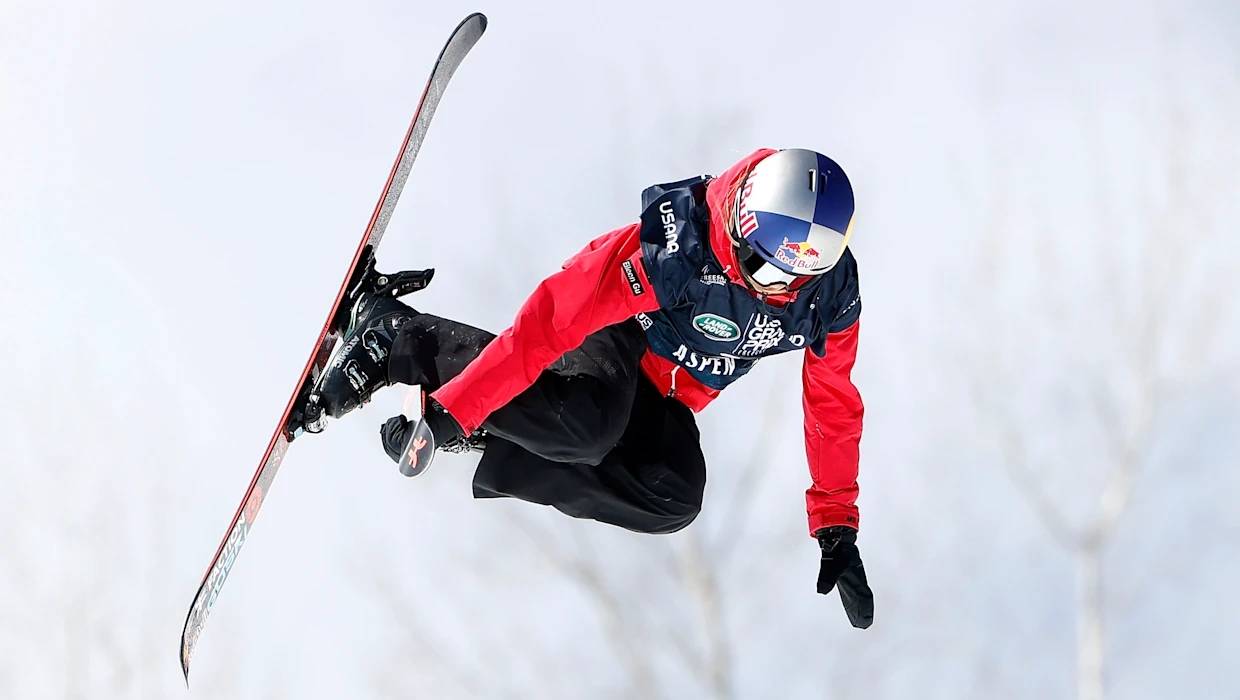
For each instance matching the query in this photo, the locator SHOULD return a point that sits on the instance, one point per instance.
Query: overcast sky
(1045, 232)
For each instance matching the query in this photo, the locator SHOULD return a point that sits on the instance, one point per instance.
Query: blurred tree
(1094, 330)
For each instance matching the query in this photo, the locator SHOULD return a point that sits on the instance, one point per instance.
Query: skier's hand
(395, 431)
(841, 563)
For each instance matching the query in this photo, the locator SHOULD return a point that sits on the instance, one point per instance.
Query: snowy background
(1050, 358)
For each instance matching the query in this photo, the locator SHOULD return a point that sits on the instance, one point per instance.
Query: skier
(586, 402)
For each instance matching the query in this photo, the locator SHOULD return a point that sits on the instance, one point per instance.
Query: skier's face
(767, 289)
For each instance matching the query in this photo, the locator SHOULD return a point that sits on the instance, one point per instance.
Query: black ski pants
(592, 437)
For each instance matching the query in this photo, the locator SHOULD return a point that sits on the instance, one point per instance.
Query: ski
(360, 274)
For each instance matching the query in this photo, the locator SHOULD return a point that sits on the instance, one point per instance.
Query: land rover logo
(716, 327)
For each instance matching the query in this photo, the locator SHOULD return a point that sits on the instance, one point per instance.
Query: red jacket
(591, 292)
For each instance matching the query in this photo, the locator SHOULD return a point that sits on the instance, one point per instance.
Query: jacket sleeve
(602, 285)
(833, 413)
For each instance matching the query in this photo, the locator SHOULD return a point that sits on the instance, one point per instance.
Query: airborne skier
(586, 402)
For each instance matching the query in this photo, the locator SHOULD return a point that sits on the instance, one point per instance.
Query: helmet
(792, 218)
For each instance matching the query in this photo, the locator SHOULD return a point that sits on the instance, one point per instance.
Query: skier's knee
(675, 521)
(595, 448)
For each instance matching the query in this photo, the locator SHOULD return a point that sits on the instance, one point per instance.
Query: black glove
(841, 563)
(394, 432)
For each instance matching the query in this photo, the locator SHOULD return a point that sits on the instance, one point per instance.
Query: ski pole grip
(419, 450)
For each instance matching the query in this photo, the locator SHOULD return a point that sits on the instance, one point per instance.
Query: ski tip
(482, 20)
(184, 655)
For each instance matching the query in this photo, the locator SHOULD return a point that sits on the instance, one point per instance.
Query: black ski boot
(358, 367)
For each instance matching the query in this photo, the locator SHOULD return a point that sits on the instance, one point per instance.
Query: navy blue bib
(714, 329)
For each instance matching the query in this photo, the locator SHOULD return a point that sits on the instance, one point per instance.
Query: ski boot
(358, 366)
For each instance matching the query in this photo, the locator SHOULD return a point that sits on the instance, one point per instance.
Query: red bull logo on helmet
(798, 255)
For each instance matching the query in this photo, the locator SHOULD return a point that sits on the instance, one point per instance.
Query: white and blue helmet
(793, 217)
